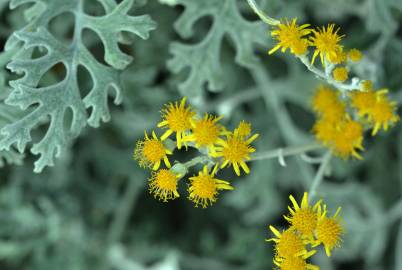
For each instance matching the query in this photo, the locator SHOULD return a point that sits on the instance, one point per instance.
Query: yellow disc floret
(176, 118)
(163, 185)
(243, 129)
(326, 42)
(329, 231)
(303, 218)
(340, 74)
(288, 243)
(296, 263)
(205, 132)
(348, 139)
(235, 150)
(383, 114)
(355, 55)
(204, 187)
(327, 104)
(290, 36)
(151, 151)
(376, 107)
(325, 131)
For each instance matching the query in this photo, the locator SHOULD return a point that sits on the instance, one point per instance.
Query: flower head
(235, 150)
(303, 217)
(355, 55)
(163, 185)
(204, 187)
(340, 74)
(176, 118)
(383, 115)
(363, 101)
(325, 131)
(329, 230)
(295, 263)
(326, 42)
(291, 36)
(206, 132)
(376, 107)
(243, 129)
(288, 243)
(151, 151)
(348, 139)
(339, 57)
(327, 104)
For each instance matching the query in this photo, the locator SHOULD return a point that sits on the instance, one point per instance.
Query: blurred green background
(92, 209)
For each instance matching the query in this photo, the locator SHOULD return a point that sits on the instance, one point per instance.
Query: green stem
(123, 212)
(283, 152)
(182, 168)
(264, 17)
(320, 74)
(320, 175)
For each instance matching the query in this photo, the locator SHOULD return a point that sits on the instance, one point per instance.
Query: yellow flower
(176, 118)
(367, 85)
(290, 36)
(383, 114)
(235, 150)
(326, 102)
(340, 74)
(355, 55)
(326, 43)
(243, 129)
(163, 185)
(375, 105)
(339, 57)
(363, 101)
(348, 139)
(205, 132)
(288, 243)
(295, 263)
(204, 187)
(325, 131)
(329, 230)
(151, 151)
(303, 218)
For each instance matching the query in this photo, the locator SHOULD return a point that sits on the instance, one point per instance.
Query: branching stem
(320, 175)
(264, 17)
(282, 152)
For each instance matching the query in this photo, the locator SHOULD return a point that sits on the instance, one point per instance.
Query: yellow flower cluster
(336, 128)
(309, 227)
(217, 146)
(324, 40)
(325, 44)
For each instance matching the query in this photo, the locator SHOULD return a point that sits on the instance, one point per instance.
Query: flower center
(204, 187)
(178, 119)
(153, 150)
(236, 150)
(289, 244)
(294, 263)
(166, 180)
(206, 132)
(329, 231)
(305, 221)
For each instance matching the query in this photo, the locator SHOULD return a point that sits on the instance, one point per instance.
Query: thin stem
(320, 174)
(123, 212)
(264, 17)
(196, 160)
(341, 86)
(282, 152)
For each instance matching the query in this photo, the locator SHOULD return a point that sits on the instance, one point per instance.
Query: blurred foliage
(92, 209)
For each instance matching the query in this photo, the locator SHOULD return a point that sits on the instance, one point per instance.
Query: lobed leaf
(203, 59)
(52, 102)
